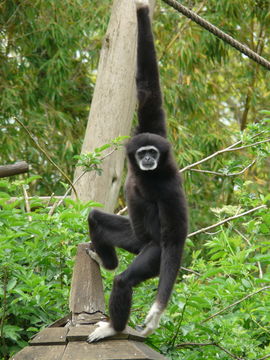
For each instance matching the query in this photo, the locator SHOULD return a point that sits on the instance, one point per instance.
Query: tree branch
(227, 220)
(190, 344)
(46, 155)
(210, 156)
(249, 243)
(249, 145)
(56, 204)
(19, 167)
(223, 174)
(236, 303)
(264, 357)
(227, 149)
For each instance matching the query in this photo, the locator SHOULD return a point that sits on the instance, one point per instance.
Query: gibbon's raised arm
(151, 115)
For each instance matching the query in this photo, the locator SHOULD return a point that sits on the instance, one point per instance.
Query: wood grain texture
(110, 350)
(86, 294)
(50, 336)
(41, 353)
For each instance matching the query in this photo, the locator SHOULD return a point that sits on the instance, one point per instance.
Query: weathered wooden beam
(113, 104)
(86, 294)
(19, 167)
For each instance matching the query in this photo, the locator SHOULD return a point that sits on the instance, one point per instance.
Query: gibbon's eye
(152, 152)
(142, 153)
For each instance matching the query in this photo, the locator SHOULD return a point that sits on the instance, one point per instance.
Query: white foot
(152, 319)
(103, 330)
(141, 3)
(93, 255)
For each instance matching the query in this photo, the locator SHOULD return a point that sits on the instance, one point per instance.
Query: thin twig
(236, 303)
(249, 243)
(50, 199)
(46, 155)
(27, 205)
(265, 357)
(56, 204)
(60, 202)
(227, 149)
(249, 145)
(191, 271)
(210, 156)
(190, 344)
(223, 174)
(227, 220)
(178, 327)
(180, 32)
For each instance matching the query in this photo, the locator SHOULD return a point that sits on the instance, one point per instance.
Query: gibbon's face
(148, 152)
(147, 157)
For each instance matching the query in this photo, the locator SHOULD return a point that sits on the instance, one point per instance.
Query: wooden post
(86, 294)
(113, 104)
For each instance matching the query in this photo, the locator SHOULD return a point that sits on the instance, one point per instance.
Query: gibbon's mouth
(146, 166)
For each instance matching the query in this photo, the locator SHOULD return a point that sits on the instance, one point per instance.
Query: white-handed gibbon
(157, 225)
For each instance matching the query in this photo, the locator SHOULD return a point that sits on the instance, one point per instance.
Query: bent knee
(120, 282)
(93, 218)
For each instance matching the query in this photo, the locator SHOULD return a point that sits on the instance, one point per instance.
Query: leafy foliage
(36, 264)
(92, 161)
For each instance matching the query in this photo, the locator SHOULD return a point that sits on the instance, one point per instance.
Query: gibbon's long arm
(151, 116)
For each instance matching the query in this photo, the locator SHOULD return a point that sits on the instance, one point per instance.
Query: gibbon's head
(148, 152)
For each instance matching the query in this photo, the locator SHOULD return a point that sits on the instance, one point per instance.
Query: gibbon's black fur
(157, 226)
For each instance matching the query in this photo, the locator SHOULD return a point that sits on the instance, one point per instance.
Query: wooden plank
(87, 319)
(80, 333)
(134, 334)
(61, 322)
(149, 353)
(50, 336)
(86, 293)
(105, 350)
(41, 353)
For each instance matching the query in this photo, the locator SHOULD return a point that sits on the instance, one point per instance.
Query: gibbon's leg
(145, 265)
(174, 222)
(108, 231)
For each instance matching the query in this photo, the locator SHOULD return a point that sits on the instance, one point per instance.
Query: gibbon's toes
(93, 255)
(103, 330)
(141, 3)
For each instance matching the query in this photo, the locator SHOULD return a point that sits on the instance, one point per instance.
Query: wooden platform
(69, 343)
